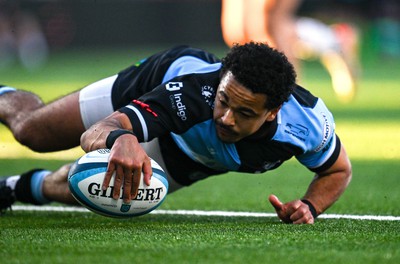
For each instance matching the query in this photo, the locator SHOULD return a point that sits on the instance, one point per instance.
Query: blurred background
(31, 30)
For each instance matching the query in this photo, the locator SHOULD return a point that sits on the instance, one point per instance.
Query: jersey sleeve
(174, 106)
(323, 147)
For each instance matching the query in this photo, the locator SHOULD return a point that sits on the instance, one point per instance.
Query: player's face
(238, 111)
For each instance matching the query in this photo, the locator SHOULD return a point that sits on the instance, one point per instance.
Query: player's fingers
(276, 203)
(147, 172)
(137, 174)
(118, 178)
(128, 179)
(300, 214)
(108, 175)
(305, 219)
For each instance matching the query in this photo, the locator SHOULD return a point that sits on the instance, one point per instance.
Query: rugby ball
(85, 179)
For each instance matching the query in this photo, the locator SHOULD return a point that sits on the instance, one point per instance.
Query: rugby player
(196, 116)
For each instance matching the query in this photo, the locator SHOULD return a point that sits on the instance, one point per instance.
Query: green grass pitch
(368, 127)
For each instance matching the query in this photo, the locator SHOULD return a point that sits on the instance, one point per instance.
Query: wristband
(311, 207)
(116, 134)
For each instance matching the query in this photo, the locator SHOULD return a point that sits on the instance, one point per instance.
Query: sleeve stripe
(332, 159)
(327, 155)
(142, 122)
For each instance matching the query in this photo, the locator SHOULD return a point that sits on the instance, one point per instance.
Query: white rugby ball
(85, 179)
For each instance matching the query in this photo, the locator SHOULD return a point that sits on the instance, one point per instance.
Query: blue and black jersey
(174, 95)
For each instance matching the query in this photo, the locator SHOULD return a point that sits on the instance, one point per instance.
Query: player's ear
(271, 115)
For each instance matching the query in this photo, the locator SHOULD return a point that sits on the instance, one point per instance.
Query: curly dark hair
(261, 69)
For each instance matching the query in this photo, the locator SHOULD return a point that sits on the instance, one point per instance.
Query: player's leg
(281, 27)
(40, 186)
(336, 47)
(36, 187)
(244, 21)
(232, 21)
(342, 62)
(41, 127)
(55, 186)
(59, 124)
(255, 19)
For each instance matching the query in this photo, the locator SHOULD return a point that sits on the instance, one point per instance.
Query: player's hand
(295, 212)
(128, 160)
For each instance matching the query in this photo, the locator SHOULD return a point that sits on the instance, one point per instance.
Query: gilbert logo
(173, 86)
(149, 194)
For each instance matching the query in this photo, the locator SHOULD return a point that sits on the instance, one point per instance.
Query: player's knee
(29, 136)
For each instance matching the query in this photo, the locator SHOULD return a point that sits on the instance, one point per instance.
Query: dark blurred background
(121, 23)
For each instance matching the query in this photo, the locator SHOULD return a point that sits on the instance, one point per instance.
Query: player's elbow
(85, 145)
(91, 140)
(344, 168)
(345, 174)
(348, 174)
(347, 171)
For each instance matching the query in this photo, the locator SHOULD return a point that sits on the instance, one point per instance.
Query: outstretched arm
(324, 190)
(127, 158)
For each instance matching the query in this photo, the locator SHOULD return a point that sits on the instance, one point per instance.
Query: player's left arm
(326, 188)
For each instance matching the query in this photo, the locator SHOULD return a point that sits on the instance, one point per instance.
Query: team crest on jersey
(297, 130)
(208, 94)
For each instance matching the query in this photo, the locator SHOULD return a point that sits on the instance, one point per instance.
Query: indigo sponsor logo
(173, 86)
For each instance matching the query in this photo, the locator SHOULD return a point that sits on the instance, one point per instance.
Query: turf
(87, 238)
(368, 127)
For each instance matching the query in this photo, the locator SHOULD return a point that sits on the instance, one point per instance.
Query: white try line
(206, 213)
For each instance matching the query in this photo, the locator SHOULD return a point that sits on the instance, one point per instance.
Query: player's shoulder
(305, 119)
(185, 50)
(304, 97)
(303, 103)
(190, 65)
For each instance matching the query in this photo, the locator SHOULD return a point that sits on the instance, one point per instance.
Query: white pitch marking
(208, 213)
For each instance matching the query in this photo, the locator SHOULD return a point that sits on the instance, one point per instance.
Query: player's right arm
(127, 157)
(174, 106)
